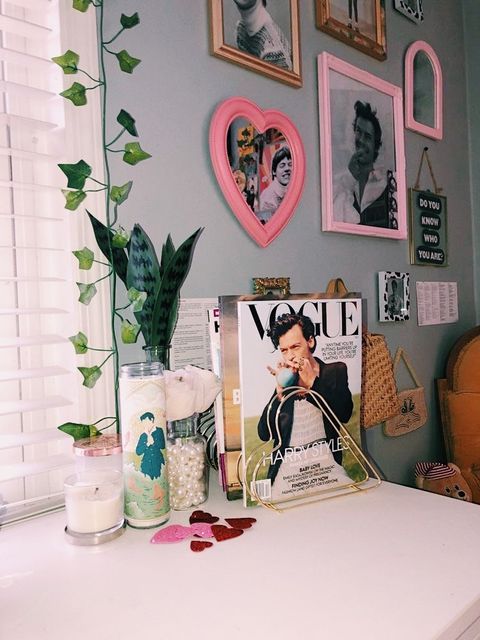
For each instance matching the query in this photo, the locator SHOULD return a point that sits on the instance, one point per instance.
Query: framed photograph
(278, 286)
(261, 37)
(411, 9)
(359, 23)
(393, 296)
(362, 151)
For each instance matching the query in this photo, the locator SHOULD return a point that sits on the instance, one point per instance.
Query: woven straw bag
(379, 400)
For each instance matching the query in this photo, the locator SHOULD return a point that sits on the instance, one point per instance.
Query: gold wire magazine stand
(370, 478)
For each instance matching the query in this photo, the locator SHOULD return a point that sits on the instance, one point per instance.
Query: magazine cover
(289, 446)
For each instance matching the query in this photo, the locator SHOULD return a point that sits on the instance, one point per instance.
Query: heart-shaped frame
(225, 114)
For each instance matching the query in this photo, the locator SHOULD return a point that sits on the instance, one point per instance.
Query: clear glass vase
(187, 464)
(158, 353)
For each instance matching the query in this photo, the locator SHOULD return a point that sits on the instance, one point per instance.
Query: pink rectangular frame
(327, 63)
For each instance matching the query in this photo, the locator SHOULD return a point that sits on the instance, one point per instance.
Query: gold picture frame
(224, 17)
(345, 22)
(263, 286)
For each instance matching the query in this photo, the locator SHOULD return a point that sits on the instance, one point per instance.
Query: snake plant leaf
(78, 430)
(90, 375)
(129, 332)
(128, 22)
(68, 62)
(134, 153)
(127, 122)
(136, 298)
(85, 258)
(81, 5)
(73, 199)
(168, 251)
(102, 234)
(126, 61)
(143, 273)
(87, 291)
(79, 342)
(76, 93)
(120, 238)
(120, 194)
(76, 174)
(175, 273)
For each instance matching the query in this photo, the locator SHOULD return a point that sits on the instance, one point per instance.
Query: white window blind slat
(15, 406)
(36, 437)
(30, 341)
(24, 469)
(24, 374)
(24, 28)
(38, 5)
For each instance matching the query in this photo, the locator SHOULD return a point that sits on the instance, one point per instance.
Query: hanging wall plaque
(428, 228)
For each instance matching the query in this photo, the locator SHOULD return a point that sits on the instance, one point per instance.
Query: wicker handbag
(379, 400)
(413, 409)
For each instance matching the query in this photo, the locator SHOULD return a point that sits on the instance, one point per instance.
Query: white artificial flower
(190, 390)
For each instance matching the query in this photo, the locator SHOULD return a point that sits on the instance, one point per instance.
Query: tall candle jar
(94, 506)
(142, 425)
(187, 463)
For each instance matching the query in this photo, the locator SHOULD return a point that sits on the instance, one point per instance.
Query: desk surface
(392, 563)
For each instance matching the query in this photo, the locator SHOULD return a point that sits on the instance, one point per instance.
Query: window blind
(40, 387)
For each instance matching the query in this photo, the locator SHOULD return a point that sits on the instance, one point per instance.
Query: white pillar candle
(94, 501)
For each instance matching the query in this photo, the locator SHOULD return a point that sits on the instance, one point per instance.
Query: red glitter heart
(240, 523)
(203, 516)
(200, 545)
(221, 532)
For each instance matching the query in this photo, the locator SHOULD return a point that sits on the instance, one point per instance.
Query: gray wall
(173, 94)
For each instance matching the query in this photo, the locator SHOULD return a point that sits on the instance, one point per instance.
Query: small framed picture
(358, 23)
(362, 151)
(411, 9)
(393, 296)
(264, 286)
(258, 36)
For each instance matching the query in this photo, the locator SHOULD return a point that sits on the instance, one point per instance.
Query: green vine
(153, 287)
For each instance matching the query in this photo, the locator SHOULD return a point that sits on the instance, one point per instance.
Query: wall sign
(428, 228)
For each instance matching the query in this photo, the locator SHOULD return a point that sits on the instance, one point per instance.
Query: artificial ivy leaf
(128, 22)
(76, 93)
(87, 291)
(80, 343)
(90, 375)
(134, 153)
(120, 238)
(129, 332)
(68, 62)
(120, 194)
(85, 258)
(76, 174)
(137, 298)
(81, 5)
(79, 431)
(126, 120)
(126, 62)
(73, 199)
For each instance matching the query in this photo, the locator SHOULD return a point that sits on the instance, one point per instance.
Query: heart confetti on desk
(202, 525)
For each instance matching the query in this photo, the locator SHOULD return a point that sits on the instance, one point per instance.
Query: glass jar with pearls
(187, 464)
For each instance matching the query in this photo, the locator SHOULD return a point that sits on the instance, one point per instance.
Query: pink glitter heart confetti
(172, 533)
(202, 529)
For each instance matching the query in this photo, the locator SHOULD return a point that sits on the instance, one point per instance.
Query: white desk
(391, 564)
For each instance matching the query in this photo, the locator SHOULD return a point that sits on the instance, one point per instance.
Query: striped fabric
(433, 470)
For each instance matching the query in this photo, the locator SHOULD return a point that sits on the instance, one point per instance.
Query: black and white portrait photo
(362, 151)
(393, 296)
(262, 35)
(359, 15)
(364, 186)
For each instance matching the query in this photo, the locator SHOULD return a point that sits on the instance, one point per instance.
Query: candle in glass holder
(94, 505)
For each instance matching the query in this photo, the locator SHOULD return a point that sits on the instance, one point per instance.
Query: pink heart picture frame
(237, 107)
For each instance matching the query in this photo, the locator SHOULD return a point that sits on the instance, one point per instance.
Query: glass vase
(187, 464)
(158, 353)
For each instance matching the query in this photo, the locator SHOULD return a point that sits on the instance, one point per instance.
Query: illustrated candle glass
(187, 465)
(94, 506)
